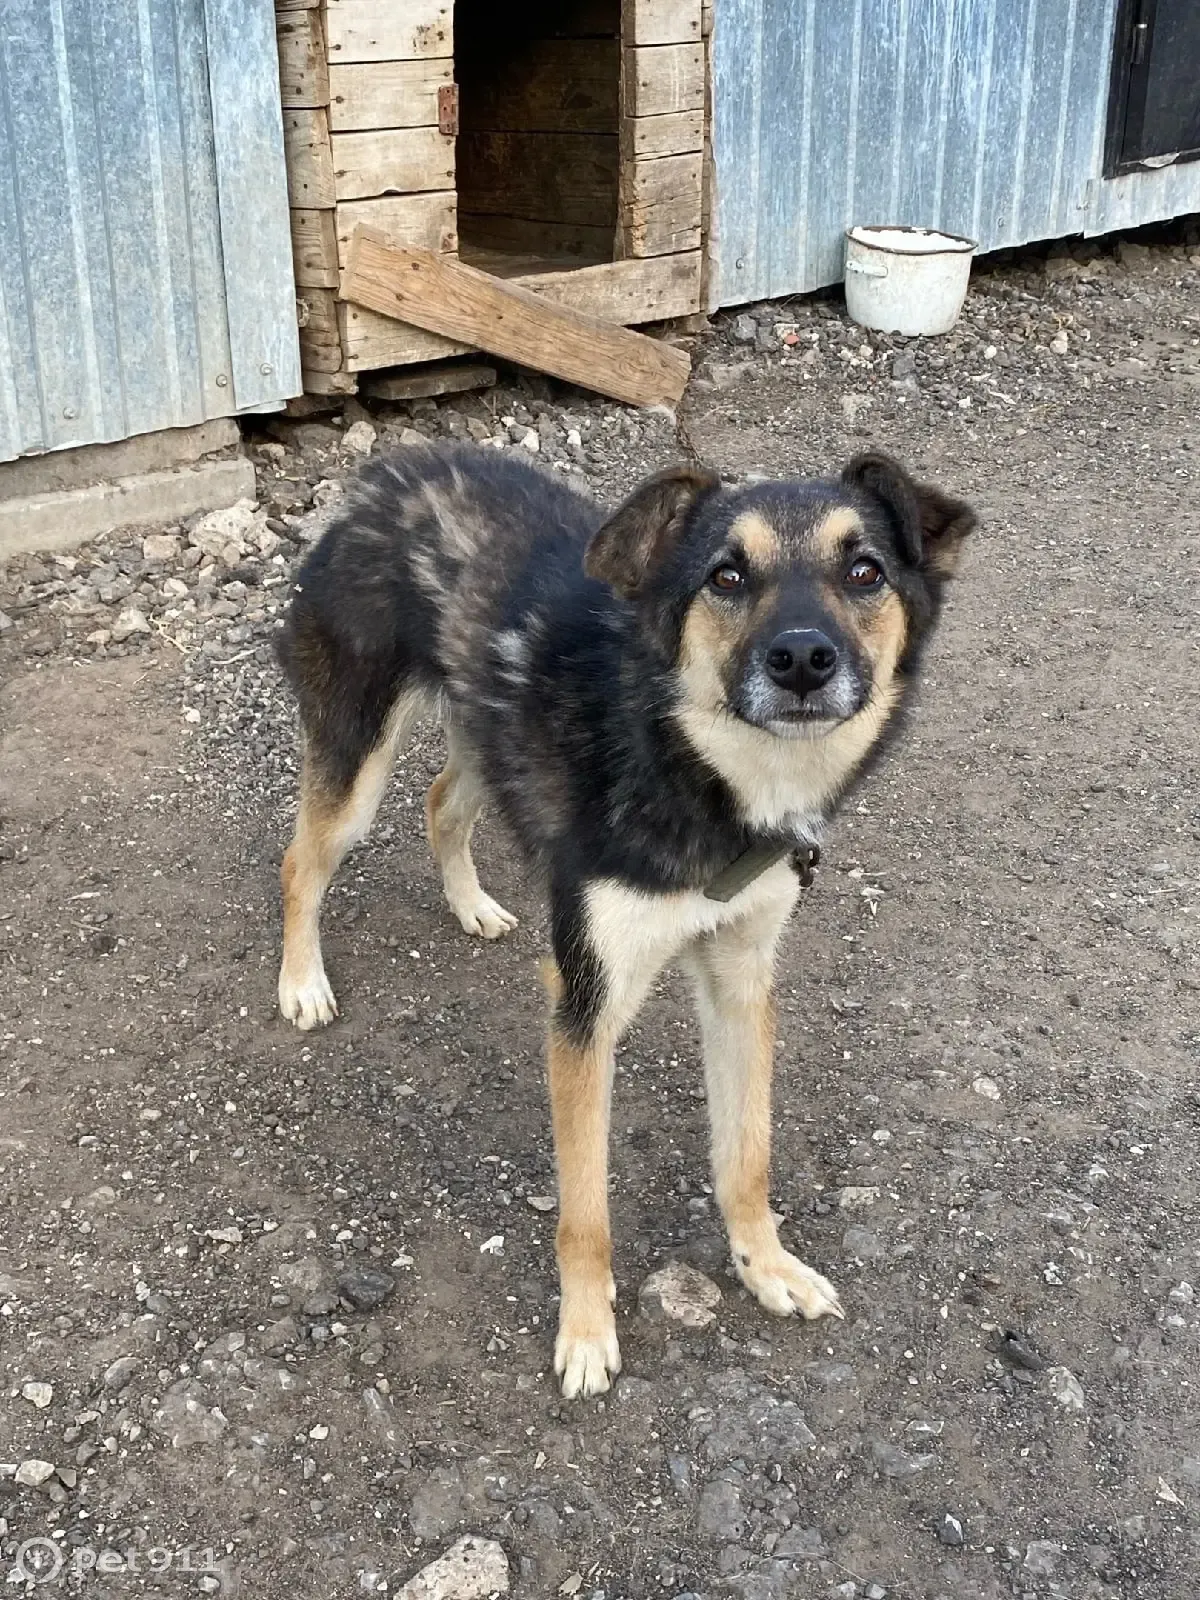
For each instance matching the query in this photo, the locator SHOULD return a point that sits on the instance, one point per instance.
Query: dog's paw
(484, 918)
(784, 1285)
(307, 1000)
(587, 1360)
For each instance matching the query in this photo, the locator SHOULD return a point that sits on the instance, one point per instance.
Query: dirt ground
(289, 1300)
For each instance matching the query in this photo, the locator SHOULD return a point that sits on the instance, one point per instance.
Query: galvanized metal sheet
(113, 281)
(982, 117)
(252, 183)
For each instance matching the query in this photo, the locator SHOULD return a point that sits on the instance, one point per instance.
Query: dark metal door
(1154, 102)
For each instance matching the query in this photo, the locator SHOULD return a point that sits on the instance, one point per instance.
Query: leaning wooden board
(460, 302)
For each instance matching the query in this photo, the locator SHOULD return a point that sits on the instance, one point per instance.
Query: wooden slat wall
(359, 85)
(662, 128)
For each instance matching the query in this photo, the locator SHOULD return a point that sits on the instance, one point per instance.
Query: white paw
(484, 918)
(307, 999)
(784, 1285)
(587, 1362)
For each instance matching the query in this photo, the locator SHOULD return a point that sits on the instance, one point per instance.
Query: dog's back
(420, 567)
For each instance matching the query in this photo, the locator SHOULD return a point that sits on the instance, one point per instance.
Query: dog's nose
(801, 659)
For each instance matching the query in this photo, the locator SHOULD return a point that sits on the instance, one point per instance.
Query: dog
(663, 703)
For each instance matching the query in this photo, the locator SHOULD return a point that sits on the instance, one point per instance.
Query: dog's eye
(865, 574)
(727, 579)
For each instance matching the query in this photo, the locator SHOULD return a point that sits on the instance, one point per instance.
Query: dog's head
(793, 607)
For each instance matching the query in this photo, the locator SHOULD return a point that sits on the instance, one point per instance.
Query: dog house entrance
(537, 151)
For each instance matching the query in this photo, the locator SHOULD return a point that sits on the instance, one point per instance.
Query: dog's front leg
(732, 971)
(586, 1355)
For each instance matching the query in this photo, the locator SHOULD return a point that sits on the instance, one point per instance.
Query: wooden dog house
(558, 143)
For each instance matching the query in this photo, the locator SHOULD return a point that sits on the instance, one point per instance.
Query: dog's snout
(801, 659)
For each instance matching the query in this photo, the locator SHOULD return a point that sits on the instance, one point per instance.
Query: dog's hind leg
(452, 806)
(732, 971)
(334, 815)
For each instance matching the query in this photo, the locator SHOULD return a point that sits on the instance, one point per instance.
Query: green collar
(756, 859)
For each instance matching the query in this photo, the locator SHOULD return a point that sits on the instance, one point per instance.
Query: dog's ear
(635, 538)
(931, 525)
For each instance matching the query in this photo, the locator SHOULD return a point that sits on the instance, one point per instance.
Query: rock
(224, 535)
(359, 438)
(305, 1276)
(904, 365)
(1060, 343)
(1066, 1389)
(875, 1591)
(678, 1293)
(1041, 1558)
(893, 1462)
(437, 1505)
(365, 1287)
(728, 374)
(38, 1394)
(161, 547)
(120, 1372)
(472, 1569)
(949, 1530)
(280, 1335)
(854, 1196)
(987, 1087)
(6, 622)
(174, 589)
(185, 1420)
(719, 1512)
(800, 1544)
(529, 440)
(744, 329)
(382, 1418)
(33, 1473)
(860, 1244)
(129, 622)
(758, 1427)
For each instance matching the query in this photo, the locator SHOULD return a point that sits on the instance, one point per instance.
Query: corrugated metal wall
(145, 255)
(982, 117)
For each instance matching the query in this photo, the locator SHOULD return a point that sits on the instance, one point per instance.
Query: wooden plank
(309, 158)
(647, 138)
(664, 77)
(458, 302)
(550, 86)
(624, 292)
(303, 69)
(424, 382)
(424, 220)
(706, 18)
(371, 341)
(297, 5)
(660, 21)
(343, 382)
(314, 249)
(551, 177)
(320, 339)
(386, 94)
(576, 242)
(388, 30)
(661, 204)
(391, 161)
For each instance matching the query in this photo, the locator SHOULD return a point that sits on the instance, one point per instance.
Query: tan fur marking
(326, 828)
(732, 971)
(828, 538)
(452, 808)
(883, 630)
(758, 539)
(586, 1353)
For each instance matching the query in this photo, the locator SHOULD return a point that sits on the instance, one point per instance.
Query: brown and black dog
(663, 703)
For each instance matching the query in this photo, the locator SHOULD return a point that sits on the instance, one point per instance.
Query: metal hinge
(448, 109)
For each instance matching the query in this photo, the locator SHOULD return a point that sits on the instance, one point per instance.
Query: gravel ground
(276, 1310)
